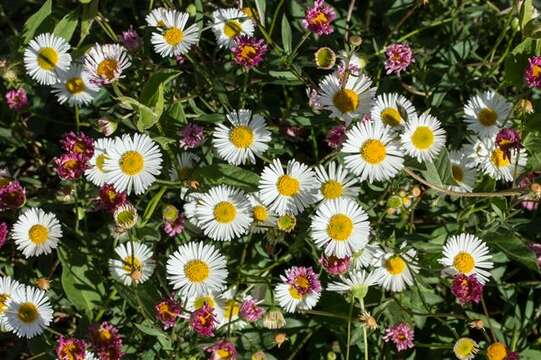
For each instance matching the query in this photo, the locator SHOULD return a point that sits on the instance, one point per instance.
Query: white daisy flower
(365, 257)
(467, 254)
(371, 152)
(300, 289)
(156, 18)
(463, 174)
(196, 269)
(214, 299)
(392, 110)
(495, 163)
(190, 207)
(186, 162)
(335, 182)
(246, 139)
(174, 38)
(74, 87)
(340, 227)
(395, 271)
(264, 219)
(423, 138)
(45, 56)
(346, 102)
(231, 311)
(96, 171)
(289, 191)
(485, 113)
(134, 267)
(229, 23)
(106, 63)
(356, 282)
(224, 213)
(7, 287)
(36, 232)
(132, 163)
(29, 312)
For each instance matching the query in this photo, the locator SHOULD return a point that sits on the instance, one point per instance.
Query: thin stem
(510, 192)
(485, 310)
(349, 326)
(365, 336)
(275, 17)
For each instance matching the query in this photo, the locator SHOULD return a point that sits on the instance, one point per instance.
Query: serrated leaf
(513, 247)
(287, 38)
(67, 25)
(34, 21)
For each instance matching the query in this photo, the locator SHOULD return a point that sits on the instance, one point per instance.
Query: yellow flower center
(38, 234)
(27, 313)
(70, 164)
(3, 302)
(496, 351)
(125, 217)
(131, 163)
(131, 264)
(232, 28)
(223, 354)
(395, 265)
(173, 36)
(231, 309)
(75, 85)
(391, 117)
(242, 137)
(104, 335)
(69, 351)
(288, 186)
(225, 212)
(423, 137)
(47, 58)
(465, 347)
(248, 52)
(196, 271)
(107, 69)
(373, 151)
(340, 227)
(260, 213)
(100, 161)
(286, 222)
(487, 117)
(165, 310)
(302, 282)
(464, 262)
(499, 159)
(294, 293)
(536, 70)
(332, 189)
(200, 301)
(319, 19)
(346, 100)
(458, 173)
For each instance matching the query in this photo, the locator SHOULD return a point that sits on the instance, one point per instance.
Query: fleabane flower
(70, 349)
(463, 174)
(246, 138)
(36, 232)
(168, 311)
(106, 63)
(250, 310)
(203, 321)
(371, 153)
(423, 138)
(318, 18)
(532, 73)
(222, 350)
(395, 270)
(335, 265)
(347, 100)
(289, 191)
(248, 51)
(78, 143)
(228, 24)
(485, 113)
(401, 335)
(467, 254)
(300, 289)
(133, 163)
(497, 351)
(16, 99)
(70, 166)
(135, 265)
(174, 38)
(96, 165)
(340, 227)
(45, 55)
(28, 312)
(74, 87)
(106, 341)
(7, 288)
(196, 268)
(356, 283)
(335, 182)
(393, 110)
(398, 58)
(156, 17)
(467, 289)
(12, 195)
(263, 218)
(465, 348)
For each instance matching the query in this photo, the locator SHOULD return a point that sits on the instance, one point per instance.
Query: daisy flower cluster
(220, 193)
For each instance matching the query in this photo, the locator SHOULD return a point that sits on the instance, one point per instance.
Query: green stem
(365, 336)
(349, 326)
(485, 310)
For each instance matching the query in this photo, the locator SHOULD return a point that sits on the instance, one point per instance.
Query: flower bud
(325, 58)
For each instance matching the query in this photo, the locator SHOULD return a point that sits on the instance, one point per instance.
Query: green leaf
(217, 174)
(211, 118)
(439, 171)
(261, 6)
(532, 29)
(34, 21)
(147, 117)
(532, 143)
(151, 206)
(517, 60)
(513, 247)
(149, 94)
(90, 11)
(67, 25)
(286, 35)
(81, 282)
(526, 13)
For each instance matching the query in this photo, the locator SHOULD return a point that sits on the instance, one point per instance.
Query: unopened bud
(43, 283)
(356, 40)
